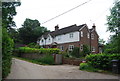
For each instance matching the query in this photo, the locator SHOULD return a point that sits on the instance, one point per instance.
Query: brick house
(69, 37)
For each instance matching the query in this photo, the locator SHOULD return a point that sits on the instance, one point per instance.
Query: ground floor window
(71, 47)
(93, 49)
(61, 48)
(81, 47)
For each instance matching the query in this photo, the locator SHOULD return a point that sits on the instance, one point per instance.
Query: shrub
(39, 51)
(101, 61)
(47, 59)
(75, 52)
(33, 45)
(7, 47)
(85, 51)
(83, 66)
(87, 67)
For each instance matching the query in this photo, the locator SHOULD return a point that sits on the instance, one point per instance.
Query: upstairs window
(81, 33)
(71, 35)
(59, 37)
(49, 39)
(42, 41)
(71, 47)
(92, 36)
(88, 35)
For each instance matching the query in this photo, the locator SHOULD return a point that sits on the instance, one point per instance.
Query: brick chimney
(56, 28)
(94, 27)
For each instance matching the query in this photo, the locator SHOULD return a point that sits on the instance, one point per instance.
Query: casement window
(61, 48)
(88, 35)
(81, 33)
(71, 35)
(59, 37)
(81, 47)
(49, 39)
(93, 49)
(92, 36)
(42, 40)
(71, 47)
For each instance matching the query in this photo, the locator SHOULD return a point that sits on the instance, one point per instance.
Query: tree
(30, 31)
(8, 11)
(114, 25)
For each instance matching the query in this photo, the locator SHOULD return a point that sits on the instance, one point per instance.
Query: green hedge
(101, 61)
(40, 51)
(7, 47)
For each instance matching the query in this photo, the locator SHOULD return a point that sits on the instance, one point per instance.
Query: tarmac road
(26, 70)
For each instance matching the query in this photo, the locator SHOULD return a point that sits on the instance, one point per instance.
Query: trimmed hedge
(39, 51)
(7, 47)
(102, 61)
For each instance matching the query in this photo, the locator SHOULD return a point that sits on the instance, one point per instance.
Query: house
(69, 37)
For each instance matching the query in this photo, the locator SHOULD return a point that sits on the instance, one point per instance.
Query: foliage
(40, 51)
(8, 11)
(114, 26)
(87, 67)
(30, 31)
(85, 51)
(33, 45)
(47, 59)
(7, 47)
(101, 61)
(75, 52)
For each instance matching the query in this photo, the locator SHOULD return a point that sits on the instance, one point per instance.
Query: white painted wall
(42, 43)
(49, 41)
(65, 38)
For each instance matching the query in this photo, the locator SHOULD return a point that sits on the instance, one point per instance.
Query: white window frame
(81, 47)
(88, 35)
(92, 36)
(81, 33)
(93, 49)
(59, 37)
(61, 48)
(71, 47)
(71, 35)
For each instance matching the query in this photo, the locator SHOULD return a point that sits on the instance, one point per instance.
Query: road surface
(26, 70)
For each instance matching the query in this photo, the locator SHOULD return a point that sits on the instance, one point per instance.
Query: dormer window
(71, 35)
(42, 40)
(81, 33)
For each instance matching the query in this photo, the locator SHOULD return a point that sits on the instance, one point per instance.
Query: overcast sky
(94, 11)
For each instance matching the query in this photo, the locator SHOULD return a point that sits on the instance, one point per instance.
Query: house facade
(69, 37)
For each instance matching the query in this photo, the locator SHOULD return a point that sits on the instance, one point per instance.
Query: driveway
(26, 70)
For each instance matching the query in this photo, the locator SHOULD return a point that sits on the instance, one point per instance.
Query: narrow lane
(26, 70)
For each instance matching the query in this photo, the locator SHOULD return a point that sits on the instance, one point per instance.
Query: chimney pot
(56, 27)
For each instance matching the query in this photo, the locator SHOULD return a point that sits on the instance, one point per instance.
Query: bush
(85, 51)
(47, 59)
(87, 67)
(33, 45)
(75, 52)
(101, 61)
(7, 47)
(39, 51)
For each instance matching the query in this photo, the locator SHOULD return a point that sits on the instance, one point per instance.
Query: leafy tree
(114, 26)
(8, 11)
(30, 31)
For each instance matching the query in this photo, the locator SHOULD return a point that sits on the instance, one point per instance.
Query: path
(26, 70)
